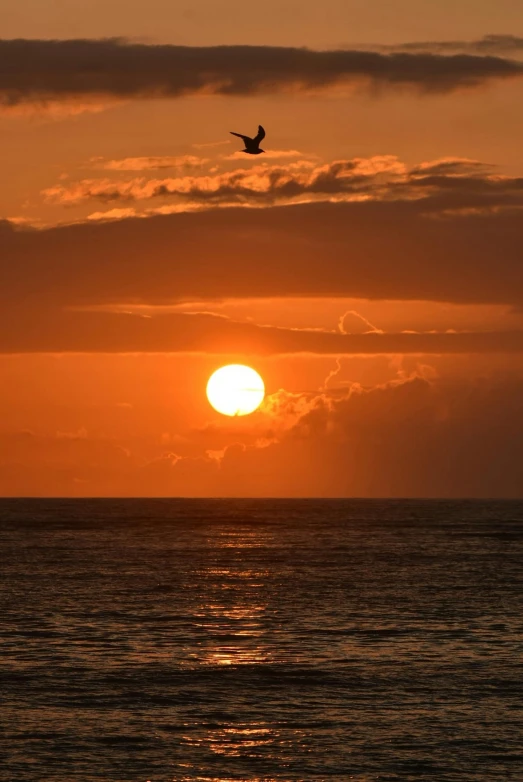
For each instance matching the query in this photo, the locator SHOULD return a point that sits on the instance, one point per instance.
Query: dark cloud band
(376, 250)
(46, 70)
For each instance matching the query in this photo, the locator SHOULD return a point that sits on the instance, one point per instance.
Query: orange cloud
(150, 163)
(271, 154)
(380, 177)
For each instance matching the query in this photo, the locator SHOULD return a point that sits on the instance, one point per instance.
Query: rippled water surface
(262, 641)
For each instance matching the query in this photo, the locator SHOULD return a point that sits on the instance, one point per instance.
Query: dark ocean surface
(261, 641)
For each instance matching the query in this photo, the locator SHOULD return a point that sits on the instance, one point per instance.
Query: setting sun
(235, 390)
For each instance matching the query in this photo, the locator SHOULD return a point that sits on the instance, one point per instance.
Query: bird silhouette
(252, 145)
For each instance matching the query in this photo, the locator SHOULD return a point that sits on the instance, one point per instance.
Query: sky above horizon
(330, 24)
(368, 265)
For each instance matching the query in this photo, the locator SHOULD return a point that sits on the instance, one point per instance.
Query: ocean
(261, 640)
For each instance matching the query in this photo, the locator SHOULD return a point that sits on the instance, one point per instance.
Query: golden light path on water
(232, 619)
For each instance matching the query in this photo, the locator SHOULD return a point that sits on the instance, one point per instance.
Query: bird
(252, 145)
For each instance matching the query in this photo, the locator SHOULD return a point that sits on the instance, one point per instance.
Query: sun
(235, 390)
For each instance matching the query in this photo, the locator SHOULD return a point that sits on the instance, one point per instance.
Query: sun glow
(235, 390)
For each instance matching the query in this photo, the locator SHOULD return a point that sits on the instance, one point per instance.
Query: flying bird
(252, 145)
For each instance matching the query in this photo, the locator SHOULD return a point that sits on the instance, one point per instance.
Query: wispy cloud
(511, 45)
(272, 154)
(211, 144)
(150, 163)
(112, 214)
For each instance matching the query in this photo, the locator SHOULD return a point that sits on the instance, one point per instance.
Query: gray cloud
(40, 71)
(404, 439)
(488, 45)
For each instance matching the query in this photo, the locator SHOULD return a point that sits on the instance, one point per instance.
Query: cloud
(373, 249)
(112, 214)
(51, 331)
(211, 144)
(471, 183)
(352, 321)
(56, 108)
(407, 438)
(271, 154)
(511, 45)
(262, 182)
(150, 163)
(41, 72)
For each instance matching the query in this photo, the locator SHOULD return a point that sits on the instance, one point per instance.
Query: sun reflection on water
(227, 779)
(230, 616)
(231, 631)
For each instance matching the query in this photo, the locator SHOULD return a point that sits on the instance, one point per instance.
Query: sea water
(261, 640)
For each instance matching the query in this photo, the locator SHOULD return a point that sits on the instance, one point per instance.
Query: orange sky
(140, 250)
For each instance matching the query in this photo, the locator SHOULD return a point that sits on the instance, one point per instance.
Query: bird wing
(261, 134)
(245, 138)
